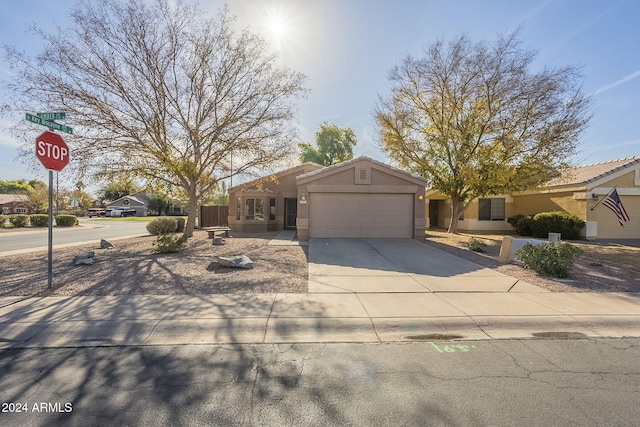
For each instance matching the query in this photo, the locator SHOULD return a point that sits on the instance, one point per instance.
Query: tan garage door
(357, 215)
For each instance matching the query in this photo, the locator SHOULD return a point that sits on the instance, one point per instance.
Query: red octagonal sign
(52, 151)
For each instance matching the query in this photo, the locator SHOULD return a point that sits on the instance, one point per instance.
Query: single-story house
(140, 203)
(577, 191)
(360, 198)
(11, 204)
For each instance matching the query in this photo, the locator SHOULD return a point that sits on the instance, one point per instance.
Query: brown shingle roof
(588, 173)
(8, 198)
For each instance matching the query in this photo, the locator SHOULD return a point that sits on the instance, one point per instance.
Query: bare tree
(162, 92)
(475, 120)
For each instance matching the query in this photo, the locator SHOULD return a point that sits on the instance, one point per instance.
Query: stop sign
(52, 151)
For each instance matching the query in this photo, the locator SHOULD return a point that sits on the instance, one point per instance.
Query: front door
(290, 212)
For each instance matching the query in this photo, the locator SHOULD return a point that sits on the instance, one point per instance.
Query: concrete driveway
(399, 265)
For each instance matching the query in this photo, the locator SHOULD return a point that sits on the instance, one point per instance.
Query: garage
(361, 198)
(343, 215)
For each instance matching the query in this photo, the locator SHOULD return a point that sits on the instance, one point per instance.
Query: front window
(20, 209)
(491, 209)
(254, 209)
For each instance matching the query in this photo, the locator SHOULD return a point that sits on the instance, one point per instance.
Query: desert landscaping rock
(84, 259)
(106, 245)
(238, 261)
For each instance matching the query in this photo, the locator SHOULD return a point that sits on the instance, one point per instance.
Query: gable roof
(296, 169)
(329, 170)
(8, 198)
(590, 173)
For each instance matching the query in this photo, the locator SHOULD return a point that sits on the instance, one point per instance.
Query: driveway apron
(398, 265)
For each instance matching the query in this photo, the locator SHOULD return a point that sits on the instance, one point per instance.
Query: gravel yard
(602, 268)
(131, 269)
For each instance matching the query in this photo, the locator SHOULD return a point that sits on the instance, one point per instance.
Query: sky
(346, 48)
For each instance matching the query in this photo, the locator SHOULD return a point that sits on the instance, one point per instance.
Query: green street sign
(52, 116)
(48, 123)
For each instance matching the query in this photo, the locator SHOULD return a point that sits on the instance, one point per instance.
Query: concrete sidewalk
(319, 317)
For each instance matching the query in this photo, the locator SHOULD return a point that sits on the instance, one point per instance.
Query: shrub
(522, 224)
(160, 226)
(39, 220)
(549, 259)
(181, 223)
(66, 220)
(476, 245)
(566, 224)
(2, 220)
(169, 244)
(19, 220)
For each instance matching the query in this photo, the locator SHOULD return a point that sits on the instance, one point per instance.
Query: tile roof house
(576, 190)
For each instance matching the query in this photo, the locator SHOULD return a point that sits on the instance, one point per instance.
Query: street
(15, 241)
(586, 382)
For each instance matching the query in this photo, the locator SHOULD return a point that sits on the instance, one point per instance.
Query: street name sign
(52, 116)
(48, 123)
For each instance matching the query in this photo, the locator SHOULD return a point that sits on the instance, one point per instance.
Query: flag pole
(604, 198)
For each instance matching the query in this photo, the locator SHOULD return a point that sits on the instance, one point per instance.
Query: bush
(19, 220)
(66, 220)
(2, 220)
(181, 223)
(169, 244)
(476, 245)
(522, 224)
(39, 220)
(549, 259)
(566, 224)
(160, 226)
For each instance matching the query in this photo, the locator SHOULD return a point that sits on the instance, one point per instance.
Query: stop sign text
(52, 151)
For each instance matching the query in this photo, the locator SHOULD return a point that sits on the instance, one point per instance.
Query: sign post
(53, 153)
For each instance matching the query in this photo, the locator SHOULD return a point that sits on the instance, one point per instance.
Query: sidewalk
(318, 317)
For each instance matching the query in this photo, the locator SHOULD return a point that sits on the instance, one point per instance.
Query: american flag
(612, 201)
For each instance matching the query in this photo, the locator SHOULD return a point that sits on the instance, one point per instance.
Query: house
(15, 204)
(360, 198)
(140, 203)
(577, 191)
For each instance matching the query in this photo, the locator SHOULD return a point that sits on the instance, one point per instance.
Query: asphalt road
(15, 241)
(585, 382)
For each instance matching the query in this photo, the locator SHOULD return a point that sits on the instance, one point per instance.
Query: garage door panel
(348, 215)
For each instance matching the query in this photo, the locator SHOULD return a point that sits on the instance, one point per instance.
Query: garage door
(355, 215)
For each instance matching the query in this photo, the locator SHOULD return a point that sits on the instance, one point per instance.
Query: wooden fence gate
(214, 216)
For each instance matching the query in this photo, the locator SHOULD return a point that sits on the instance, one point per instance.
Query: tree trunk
(192, 208)
(456, 205)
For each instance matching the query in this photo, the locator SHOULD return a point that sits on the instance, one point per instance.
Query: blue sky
(347, 47)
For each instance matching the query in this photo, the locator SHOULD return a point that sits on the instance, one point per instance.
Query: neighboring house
(15, 204)
(576, 191)
(140, 203)
(360, 198)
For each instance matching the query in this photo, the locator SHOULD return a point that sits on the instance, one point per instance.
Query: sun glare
(278, 28)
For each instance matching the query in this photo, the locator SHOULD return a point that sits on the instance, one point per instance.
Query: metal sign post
(53, 153)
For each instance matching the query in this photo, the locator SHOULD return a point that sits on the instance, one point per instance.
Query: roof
(8, 198)
(142, 200)
(300, 167)
(589, 173)
(333, 168)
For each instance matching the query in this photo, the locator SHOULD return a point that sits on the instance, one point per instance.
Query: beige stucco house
(360, 198)
(576, 191)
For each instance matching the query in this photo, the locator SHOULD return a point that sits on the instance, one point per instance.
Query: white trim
(636, 179)
(591, 229)
(603, 191)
